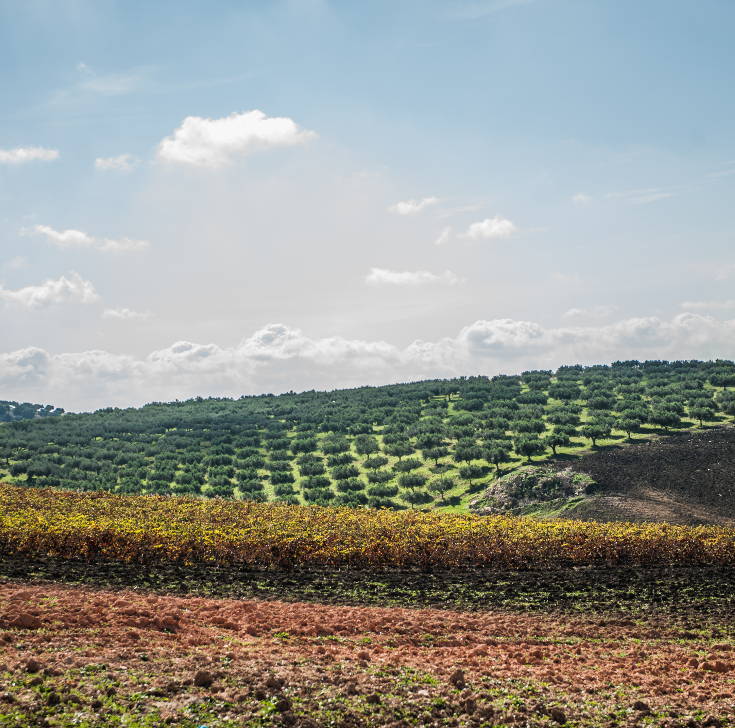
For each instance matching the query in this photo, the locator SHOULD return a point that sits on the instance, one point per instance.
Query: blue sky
(575, 159)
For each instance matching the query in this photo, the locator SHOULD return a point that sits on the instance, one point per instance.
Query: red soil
(248, 643)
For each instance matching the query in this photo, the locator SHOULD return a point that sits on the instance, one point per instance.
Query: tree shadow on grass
(714, 424)
(565, 457)
(607, 448)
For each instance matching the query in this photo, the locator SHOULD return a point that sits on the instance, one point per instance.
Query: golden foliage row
(147, 529)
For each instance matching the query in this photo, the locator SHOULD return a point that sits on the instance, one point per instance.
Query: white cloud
(593, 313)
(444, 236)
(487, 338)
(105, 84)
(708, 305)
(25, 367)
(278, 342)
(581, 199)
(217, 142)
(79, 239)
(413, 207)
(459, 209)
(383, 276)
(122, 245)
(490, 228)
(20, 155)
(279, 358)
(728, 169)
(121, 163)
(642, 196)
(124, 314)
(72, 289)
(63, 238)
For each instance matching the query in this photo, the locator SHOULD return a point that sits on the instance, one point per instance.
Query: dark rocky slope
(687, 478)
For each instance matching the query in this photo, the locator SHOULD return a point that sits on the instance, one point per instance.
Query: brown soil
(686, 478)
(155, 654)
(683, 595)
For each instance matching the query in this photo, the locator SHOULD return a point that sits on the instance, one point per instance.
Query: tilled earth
(686, 477)
(73, 655)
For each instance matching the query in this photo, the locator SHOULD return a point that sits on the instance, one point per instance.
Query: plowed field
(91, 657)
(686, 478)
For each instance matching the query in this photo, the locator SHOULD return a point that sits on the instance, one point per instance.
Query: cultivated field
(144, 611)
(79, 656)
(160, 566)
(432, 444)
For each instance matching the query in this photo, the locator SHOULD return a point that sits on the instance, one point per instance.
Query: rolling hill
(430, 444)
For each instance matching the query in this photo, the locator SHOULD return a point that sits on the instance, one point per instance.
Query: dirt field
(630, 592)
(83, 656)
(686, 478)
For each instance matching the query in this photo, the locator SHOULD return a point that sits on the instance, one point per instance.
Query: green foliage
(256, 447)
(375, 462)
(411, 480)
(366, 445)
(407, 465)
(529, 446)
(557, 439)
(11, 411)
(442, 486)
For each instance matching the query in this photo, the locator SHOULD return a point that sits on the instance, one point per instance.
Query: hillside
(685, 478)
(426, 444)
(688, 477)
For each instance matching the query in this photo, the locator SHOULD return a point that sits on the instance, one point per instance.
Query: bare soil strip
(683, 594)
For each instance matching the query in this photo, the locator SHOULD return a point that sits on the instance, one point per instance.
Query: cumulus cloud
(21, 155)
(217, 142)
(489, 338)
(79, 239)
(279, 358)
(25, 367)
(490, 228)
(581, 199)
(71, 289)
(385, 277)
(124, 314)
(278, 342)
(413, 207)
(121, 163)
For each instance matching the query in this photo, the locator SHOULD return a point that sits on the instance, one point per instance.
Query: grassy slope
(465, 491)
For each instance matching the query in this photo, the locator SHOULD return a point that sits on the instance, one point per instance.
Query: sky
(227, 198)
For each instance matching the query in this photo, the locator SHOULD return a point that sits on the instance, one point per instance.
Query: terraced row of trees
(422, 444)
